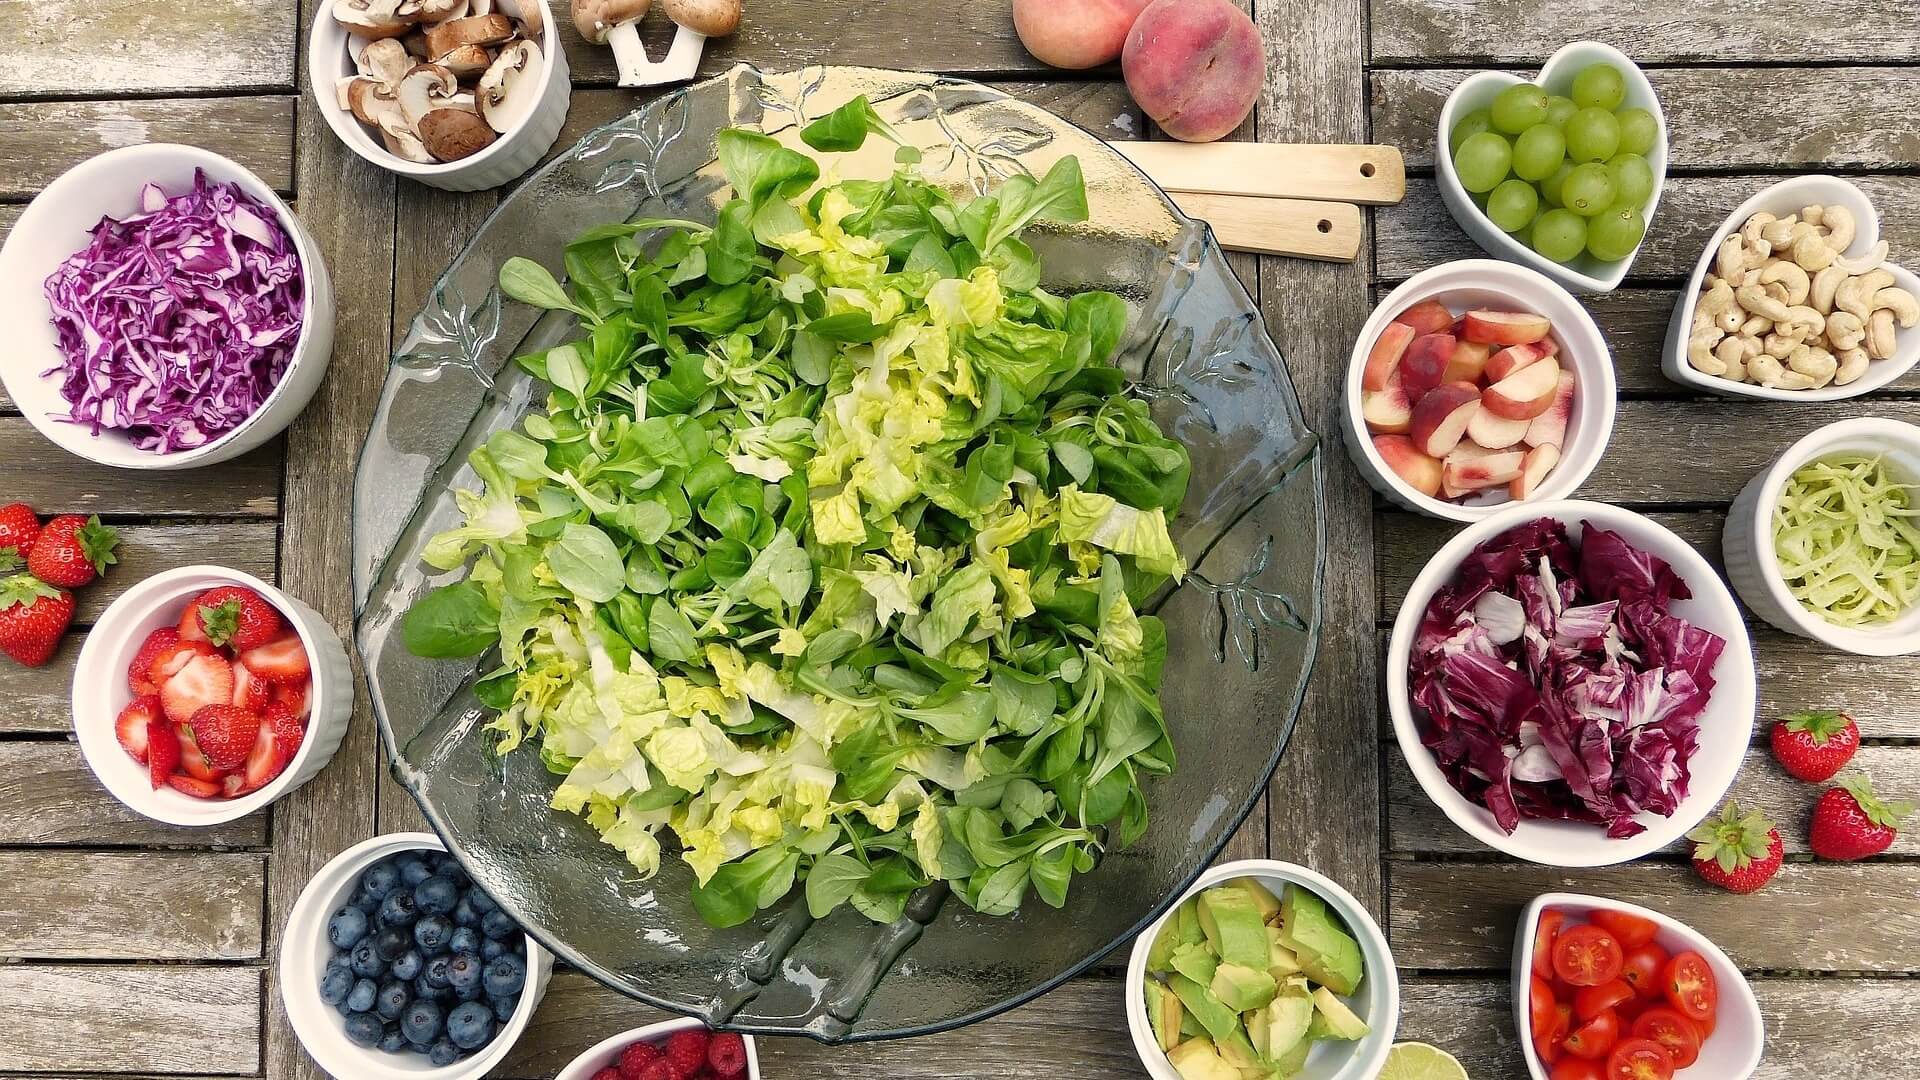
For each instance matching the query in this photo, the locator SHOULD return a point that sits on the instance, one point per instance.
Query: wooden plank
(52, 798)
(70, 905)
(42, 475)
(1527, 31)
(1815, 1027)
(101, 1018)
(40, 699)
(1454, 915)
(1854, 117)
(1416, 825)
(146, 550)
(112, 49)
(9, 214)
(46, 138)
(1419, 233)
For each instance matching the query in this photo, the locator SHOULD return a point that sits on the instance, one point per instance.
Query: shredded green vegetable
(1846, 539)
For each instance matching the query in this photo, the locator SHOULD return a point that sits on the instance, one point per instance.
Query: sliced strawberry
(192, 761)
(233, 784)
(237, 617)
(291, 729)
(296, 698)
(199, 789)
(225, 734)
(139, 677)
(163, 751)
(250, 691)
(189, 627)
(131, 727)
(168, 661)
(269, 759)
(205, 679)
(283, 660)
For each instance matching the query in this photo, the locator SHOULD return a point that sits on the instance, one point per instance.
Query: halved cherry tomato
(1548, 1045)
(1587, 956)
(1640, 1059)
(1643, 968)
(1632, 931)
(1706, 1026)
(1690, 986)
(1540, 1003)
(1630, 1010)
(1544, 933)
(1574, 1068)
(1671, 1030)
(1595, 1037)
(1594, 1000)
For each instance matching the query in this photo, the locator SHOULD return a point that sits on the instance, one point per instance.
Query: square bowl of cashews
(1794, 299)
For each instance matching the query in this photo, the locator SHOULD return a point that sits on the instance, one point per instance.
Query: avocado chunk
(1189, 1026)
(1286, 1020)
(1239, 1053)
(1220, 1021)
(1196, 1059)
(1164, 1014)
(1242, 988)
(1187, 920)
(1262, 898)
(1294, 1060)
(1327, 953)
(1281, 961)
(1160, 956)
(1232, 923)
(1195, 962)
(1338, 1020)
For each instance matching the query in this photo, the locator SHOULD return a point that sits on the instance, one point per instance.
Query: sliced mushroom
(452, 134)
(472, 30)
(433, 11)
(424, 89)
(343, 90)
(385, 60)
(416, 44)
(509, 88)
(372, 18)
(466, 61)
(400, 140)
(369, 100)
(530, 14)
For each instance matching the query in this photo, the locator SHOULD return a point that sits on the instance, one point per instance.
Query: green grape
(1587, 190)
(1560, 235)
(1550, 187)
(1638, 130)
(1518, 108)
(1599, 86)
(1512, 205)
(1559, 109)
(1632, 180)
(1592, 135)
(1538, 152)
(1482, 161)
(1467, 127)
(1614, 234)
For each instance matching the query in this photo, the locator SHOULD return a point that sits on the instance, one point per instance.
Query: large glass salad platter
(1241, 625)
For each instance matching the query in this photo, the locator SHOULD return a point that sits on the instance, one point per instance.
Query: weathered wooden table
(128, 947)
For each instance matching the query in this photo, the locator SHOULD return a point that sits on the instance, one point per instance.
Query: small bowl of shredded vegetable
(1826, 543)
(167, 310)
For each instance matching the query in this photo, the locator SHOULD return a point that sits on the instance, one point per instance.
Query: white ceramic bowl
(504, 158)
(1748, 541)
(605, 1054)
(1377, 1002)
(304, 951)
(1739, 1036)
(1586, 273)
(100, 691)
(1726, 725)
(56, 224)
(1781, 199)
(1487, 283)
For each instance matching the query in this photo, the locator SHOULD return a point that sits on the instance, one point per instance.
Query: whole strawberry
(234, 616)
(33, 615)
(1737, 850)
(71, 551)
(1850, 822)
(18, 528)
(1814, 745)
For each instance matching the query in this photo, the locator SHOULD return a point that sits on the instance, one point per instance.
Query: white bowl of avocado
(1263, 971)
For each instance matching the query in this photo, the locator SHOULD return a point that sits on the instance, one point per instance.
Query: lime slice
(1418, 1061)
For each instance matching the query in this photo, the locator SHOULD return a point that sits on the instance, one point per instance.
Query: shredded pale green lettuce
(1847, 542)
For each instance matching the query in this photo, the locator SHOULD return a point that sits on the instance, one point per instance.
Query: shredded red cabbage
(1552, 682)
(176, 323)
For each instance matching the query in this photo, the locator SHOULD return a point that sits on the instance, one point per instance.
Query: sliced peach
(1476, 473)
(1440, 418)
(1421, 472)
(1540, 461)
(1384, 357)
(1504, 327)
(1426, 317)
(1526, 393)
(1513, 358)
(1550, 427)
(1468, 362)
(1425, 364)
(1468, 451)
(1496, 432)
(1388, 412)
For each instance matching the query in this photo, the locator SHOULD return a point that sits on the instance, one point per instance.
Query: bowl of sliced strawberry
(204, 693)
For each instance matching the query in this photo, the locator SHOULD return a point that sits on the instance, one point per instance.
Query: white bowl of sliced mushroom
(458, 94)
(1794, 300)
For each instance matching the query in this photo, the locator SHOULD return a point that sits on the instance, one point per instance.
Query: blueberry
(365, 1029)
(336, 985)
(394, 998)
(406, 967)
(367, 962)
(362, 997)
(421, 1022)
(465, 939)
(431, 934)
(347, 927)
(436, 896)
(506, 975)
(464, 972)
(365, 901)
(340, 960)
(436, 971)
(425, 991)
(393, 943)
(398, 909)
(447, 863)
(414, 870)
(464, 913)
(520, 944)
(393, 1042)
(492, 950)
(470, 1025)
(379, 880)
(482, 903)
(504, 1007)
(498, 925)
(476, 992)
(442, 1054)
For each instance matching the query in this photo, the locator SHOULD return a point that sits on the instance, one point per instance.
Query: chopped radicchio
(1553, 682)
(176, 323)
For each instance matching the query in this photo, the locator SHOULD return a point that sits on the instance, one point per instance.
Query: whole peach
(1195, 66)
(1075, 33)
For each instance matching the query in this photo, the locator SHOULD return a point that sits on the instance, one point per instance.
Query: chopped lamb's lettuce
(823, 561)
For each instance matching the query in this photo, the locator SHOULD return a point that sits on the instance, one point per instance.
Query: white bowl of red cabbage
(165, 310)
(1571, 683)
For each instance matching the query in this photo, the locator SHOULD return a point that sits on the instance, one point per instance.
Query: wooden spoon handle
(1372, 175)
(1329, 231)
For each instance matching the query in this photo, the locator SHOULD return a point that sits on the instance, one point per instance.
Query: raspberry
(636, 1058)
(686, 1051)
(608, 1073)
(727, 1055)
(658, 1069)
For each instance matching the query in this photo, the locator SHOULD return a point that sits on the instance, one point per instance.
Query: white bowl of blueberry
(395, 965)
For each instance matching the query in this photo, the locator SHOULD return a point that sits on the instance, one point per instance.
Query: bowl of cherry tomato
(1613, 991)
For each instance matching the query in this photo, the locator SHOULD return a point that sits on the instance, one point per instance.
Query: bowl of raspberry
(682, 1049)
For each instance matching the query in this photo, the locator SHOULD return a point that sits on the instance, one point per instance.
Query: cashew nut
(1779, 231)
(1856, 294)
(1793, 380)
(1815, 215)
(1780, 346)
(1765, 370)
(1810, 250)
(1840, 227)
(1853, 364)
(1815, 363)
(1845, 330)
(1880, 334)
(1791, 277)
(1732, 355)
(1820, 297)
(1874, 256)
(1700, 351)
(1718, 303)
(1755, 299)
(1756, 325)
(1900, 302)
(1750, 232)
(1804, 322)
(1731, 262)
